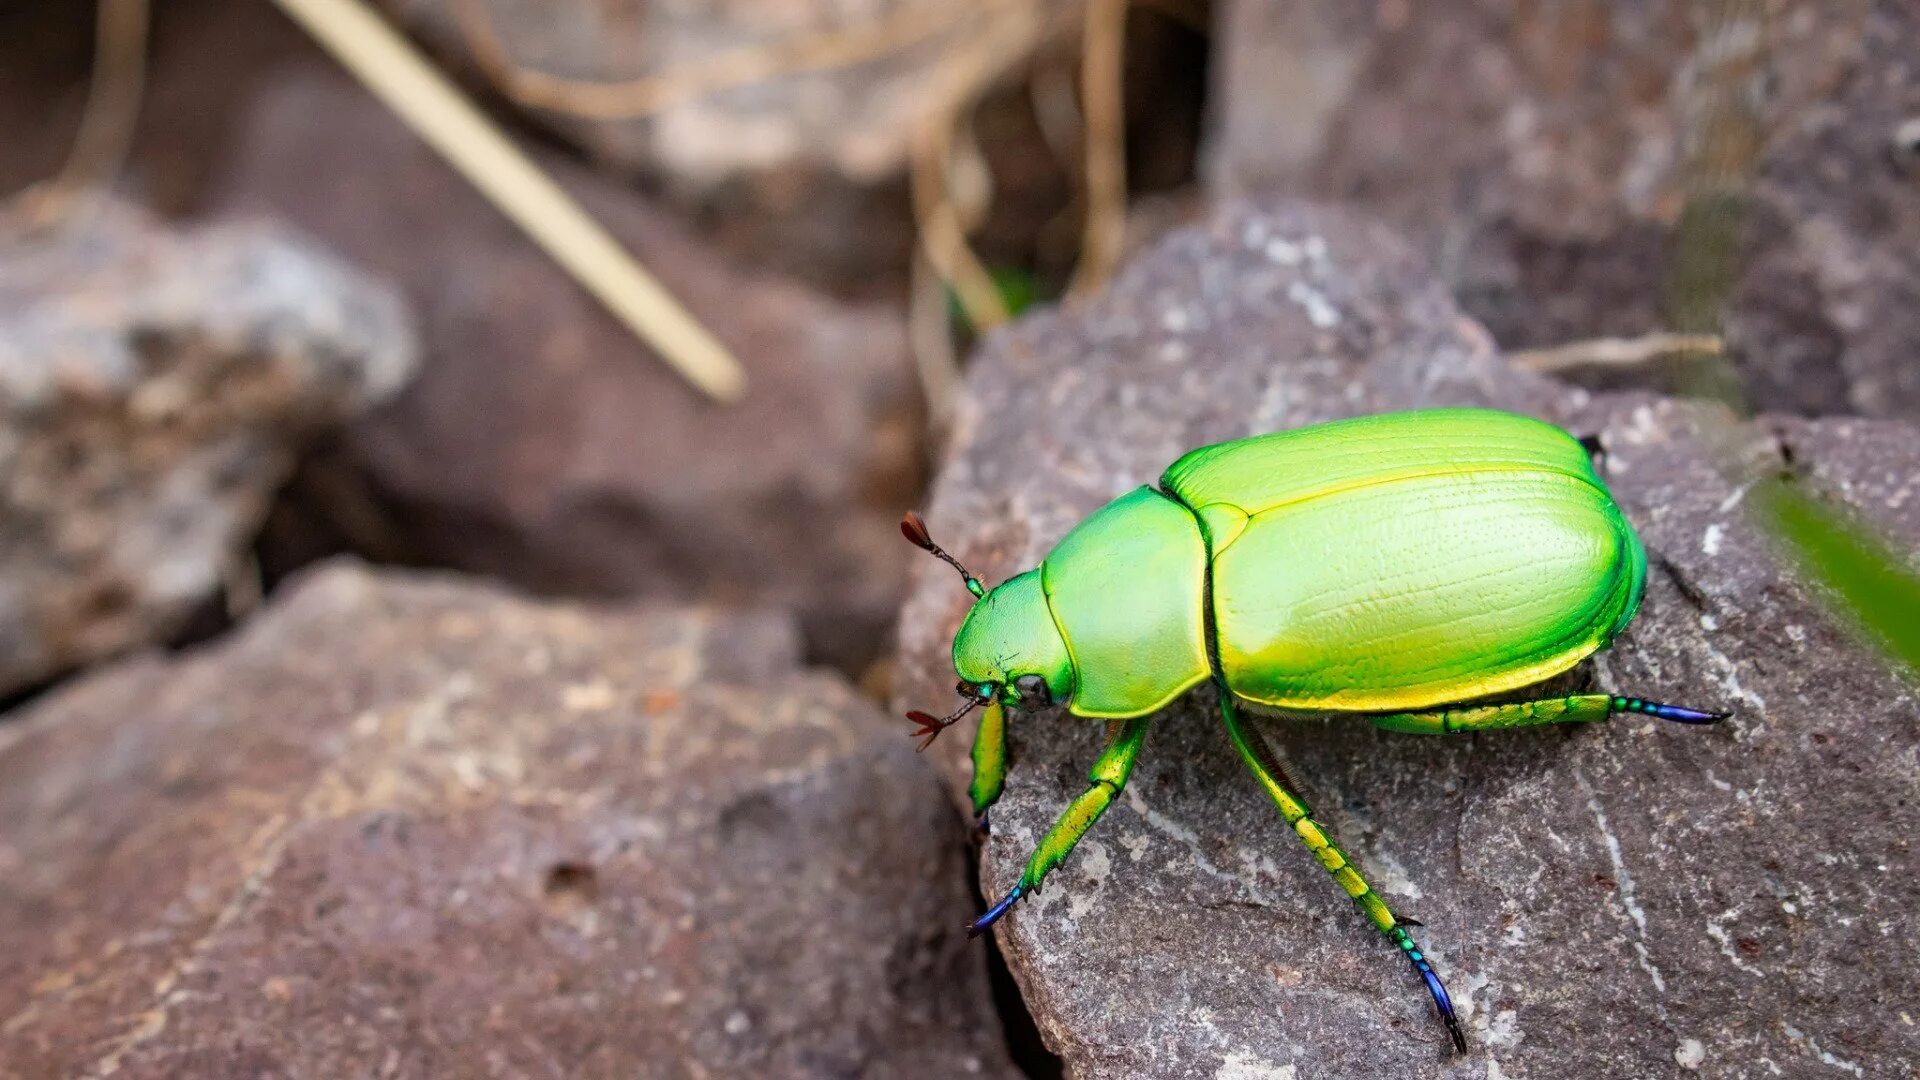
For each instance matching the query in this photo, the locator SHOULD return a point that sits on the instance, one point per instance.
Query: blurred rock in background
(787, 166)
(156, 389)
(1593, 168)
(1632, 899)
(543, 445)
(206, 59)
(405, 826)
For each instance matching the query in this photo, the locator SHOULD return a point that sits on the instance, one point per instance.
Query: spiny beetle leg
(1258, 762)
(1576, 709)
(1104, 781)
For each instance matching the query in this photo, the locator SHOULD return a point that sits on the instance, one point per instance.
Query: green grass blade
(1874, 588)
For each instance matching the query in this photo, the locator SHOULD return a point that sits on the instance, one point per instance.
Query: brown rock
(155, 389)
(1592, 169)
(408, 827)
(1638, 899)
(544, 445)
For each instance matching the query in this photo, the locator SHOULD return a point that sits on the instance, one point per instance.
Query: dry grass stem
(1103, 103)
(1617, 352)
(930, 340)
(106, 129)
(396, 73)
(962, 76)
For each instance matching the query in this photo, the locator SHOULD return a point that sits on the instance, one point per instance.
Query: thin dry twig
(951, 190)
(1617, 352)
(440, 114)
(930, 340)
(105, 135)
(1103, 104)
(960, 79)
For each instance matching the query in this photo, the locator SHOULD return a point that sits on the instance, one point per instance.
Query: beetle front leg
(1107, 779)
(989, 762)
(1337, 864)
(1577, 709)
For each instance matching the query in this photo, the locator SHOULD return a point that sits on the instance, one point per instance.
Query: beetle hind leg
(1576, 709)
(1337, 864)
(1105, 781)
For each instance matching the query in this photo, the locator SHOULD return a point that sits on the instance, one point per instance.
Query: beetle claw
(1459, 1037)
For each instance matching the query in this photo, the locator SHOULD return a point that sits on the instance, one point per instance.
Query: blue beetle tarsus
(1676, 713)
(979, 926)
(1444, 1003)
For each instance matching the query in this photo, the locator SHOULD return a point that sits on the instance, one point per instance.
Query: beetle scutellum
(1406, 568)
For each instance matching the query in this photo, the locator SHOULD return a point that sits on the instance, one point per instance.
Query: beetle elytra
(1416, 569)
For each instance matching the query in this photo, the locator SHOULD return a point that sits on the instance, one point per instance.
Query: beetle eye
(1033, 692)
(982, 693)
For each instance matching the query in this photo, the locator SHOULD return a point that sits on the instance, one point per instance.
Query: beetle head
(1008, 649)
(1010, 642)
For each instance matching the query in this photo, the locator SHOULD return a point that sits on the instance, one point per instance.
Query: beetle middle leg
(1336, 862)
(1106, 780)
(1576, 709)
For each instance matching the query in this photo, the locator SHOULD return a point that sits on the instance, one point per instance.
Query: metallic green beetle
(1401, 567)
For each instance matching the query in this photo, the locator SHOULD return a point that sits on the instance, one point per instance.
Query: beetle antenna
(931, 727)
(915, 530)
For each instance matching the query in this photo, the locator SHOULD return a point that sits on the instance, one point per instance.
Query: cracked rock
(1633, 899)
(156, 388)
(407, 827)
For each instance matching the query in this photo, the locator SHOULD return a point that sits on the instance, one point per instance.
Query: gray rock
(1590, 169)
(1637, 899)
(155, 390)
(790, 165)
(544, 445)
(404, 826)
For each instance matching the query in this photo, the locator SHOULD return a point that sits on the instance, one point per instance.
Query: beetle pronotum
(1413, 568)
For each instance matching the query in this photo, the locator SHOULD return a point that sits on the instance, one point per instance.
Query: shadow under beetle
(1399, 567)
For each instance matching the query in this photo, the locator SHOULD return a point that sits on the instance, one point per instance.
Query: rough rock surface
(155, 389)
(403, 826)
(542, 444)
(809, 158)
(1637, 899)
(1554, 159)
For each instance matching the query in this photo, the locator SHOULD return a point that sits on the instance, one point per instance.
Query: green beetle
(1414, 568)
